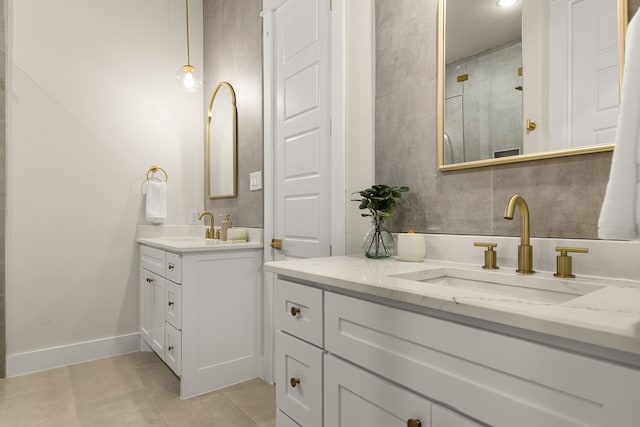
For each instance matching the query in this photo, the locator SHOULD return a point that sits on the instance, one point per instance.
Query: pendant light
(187, 76)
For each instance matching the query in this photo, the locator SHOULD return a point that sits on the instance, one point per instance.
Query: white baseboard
(54, 357)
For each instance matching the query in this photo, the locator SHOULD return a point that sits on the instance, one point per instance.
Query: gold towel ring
(154, 169)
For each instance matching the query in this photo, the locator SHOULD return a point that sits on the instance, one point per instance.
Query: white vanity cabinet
(391, 365)
(199, 311)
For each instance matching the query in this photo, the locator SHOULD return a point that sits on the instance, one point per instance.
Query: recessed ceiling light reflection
(506, 3)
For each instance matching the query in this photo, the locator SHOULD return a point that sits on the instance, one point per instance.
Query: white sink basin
(534, 288)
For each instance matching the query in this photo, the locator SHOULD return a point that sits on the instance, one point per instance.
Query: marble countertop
(196, 244)
(607, 316)
(189, 238)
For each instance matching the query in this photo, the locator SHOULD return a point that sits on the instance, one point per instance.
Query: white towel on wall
(620, 213)
(156, 210)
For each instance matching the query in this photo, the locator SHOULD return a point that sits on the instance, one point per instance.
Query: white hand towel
(156, 211)
(620, 214)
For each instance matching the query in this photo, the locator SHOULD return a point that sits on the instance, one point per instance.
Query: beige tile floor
(135, 389)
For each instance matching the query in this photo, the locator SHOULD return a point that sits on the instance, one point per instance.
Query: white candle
(411, 247)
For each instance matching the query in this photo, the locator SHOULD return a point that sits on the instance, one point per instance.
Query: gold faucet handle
(564, 262)
(490, 246)
(566, 249)
(490, 256)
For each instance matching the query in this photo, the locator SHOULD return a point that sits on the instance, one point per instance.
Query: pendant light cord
(188, 53)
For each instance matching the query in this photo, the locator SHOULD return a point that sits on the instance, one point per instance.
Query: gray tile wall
(233, 53)
(2, 183)
(564, 195)
(634, 5)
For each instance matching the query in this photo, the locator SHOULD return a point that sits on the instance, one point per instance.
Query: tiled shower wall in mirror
(3, 137)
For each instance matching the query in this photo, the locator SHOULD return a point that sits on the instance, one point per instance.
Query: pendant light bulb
(187, 76)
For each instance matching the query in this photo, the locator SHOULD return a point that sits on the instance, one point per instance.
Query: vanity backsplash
(606, 258)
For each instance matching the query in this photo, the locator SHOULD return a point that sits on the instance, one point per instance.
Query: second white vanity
(379, 343)
(200, 308)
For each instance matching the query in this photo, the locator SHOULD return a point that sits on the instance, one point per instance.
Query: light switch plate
(193, 216)
(255, 181)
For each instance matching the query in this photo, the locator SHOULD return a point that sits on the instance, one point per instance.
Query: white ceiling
(474, 26)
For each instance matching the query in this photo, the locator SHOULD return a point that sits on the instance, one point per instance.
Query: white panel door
(302, 139)
(594, 67)
(583, 72)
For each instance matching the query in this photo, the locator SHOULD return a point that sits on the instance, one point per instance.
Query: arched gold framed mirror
(549, 87)
(221, 143)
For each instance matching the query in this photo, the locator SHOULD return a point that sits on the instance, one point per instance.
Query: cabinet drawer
(173, 267)
(355, 397)
(173, 353)
(152, 259)
(442, 417)
(298, 375)
(299, 311)
(173, 308)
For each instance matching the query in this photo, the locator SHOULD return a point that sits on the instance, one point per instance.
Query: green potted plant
(380, 201)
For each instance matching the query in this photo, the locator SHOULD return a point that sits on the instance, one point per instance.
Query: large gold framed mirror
(221, 143)
(535, 80)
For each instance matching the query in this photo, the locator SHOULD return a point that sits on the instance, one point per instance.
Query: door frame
(337, 156)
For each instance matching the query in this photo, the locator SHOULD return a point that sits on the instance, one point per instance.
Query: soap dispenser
(224, 226)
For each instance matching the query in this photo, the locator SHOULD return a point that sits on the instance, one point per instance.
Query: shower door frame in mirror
(222, 144)
(443, 166)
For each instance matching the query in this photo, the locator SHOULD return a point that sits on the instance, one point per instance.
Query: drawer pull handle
(295, 311)
(414, 423)
(170, 303)
(294, 381)
(149, 280)
(170, 348)
(171, 266)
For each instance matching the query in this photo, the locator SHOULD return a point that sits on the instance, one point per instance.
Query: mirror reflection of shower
(483, 105)
(448, 148)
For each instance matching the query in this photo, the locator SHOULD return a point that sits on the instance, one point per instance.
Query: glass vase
(378, 242)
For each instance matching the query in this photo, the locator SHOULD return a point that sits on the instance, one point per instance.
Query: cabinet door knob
(171, 266)
(294, 381)
(170, 303)
(149, 280)
(170, 348)
(295, 311)
(414, 423)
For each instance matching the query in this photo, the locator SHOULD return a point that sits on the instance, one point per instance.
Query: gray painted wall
(564, 195)
(233, 53)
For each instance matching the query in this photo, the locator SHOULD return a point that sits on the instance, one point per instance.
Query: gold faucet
(209, 233)
(525, 250)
